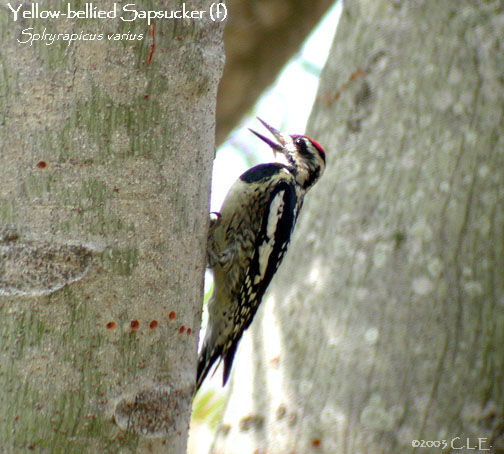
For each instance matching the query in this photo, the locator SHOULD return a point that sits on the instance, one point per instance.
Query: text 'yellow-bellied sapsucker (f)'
(248, 239)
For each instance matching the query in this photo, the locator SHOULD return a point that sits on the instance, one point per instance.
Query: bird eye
(301, 145)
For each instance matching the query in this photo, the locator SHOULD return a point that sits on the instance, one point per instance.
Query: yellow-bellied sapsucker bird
(248, 239)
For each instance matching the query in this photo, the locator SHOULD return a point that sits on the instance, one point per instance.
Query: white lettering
(26, 32)
(126, 9)
(78, 14)
(15, 11)
(48, 14)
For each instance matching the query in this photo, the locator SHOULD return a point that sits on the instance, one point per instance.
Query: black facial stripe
(311, 181)
(301, 144)
(303, 148)
(319, 151)
(291, 160)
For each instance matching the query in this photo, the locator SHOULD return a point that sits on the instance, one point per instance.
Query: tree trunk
(106, 149)
(385, 325)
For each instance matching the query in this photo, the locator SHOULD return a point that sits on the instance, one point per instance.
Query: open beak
(278, 135)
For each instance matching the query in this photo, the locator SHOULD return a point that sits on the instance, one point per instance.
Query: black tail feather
(205, 363)
(228, 362)
(207, 359)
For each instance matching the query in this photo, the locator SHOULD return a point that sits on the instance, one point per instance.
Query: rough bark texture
(104, 181)
(260, 38)
(386, 322)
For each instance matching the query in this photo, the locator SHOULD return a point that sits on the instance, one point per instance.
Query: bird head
(304, 156)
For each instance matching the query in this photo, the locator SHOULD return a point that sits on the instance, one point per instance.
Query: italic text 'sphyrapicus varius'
(248, 239)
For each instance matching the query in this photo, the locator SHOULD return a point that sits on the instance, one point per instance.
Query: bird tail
(228, 361)
(206, 360)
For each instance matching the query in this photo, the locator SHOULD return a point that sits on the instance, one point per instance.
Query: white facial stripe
(282, 159)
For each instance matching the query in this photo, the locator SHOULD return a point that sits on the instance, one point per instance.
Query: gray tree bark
(385, 324)
(106, 149)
